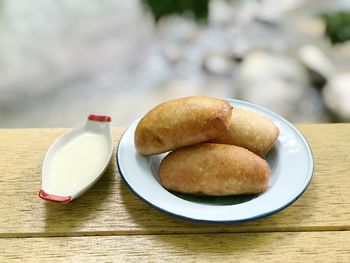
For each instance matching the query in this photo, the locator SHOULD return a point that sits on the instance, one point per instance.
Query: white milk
(77, 164)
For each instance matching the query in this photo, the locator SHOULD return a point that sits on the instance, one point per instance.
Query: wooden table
(109, 223)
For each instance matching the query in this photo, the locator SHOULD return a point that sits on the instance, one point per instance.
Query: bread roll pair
(221, 167)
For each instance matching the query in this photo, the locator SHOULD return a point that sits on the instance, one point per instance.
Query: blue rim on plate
(291, 163)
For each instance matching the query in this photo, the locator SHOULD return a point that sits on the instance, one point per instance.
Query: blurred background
(62, 60)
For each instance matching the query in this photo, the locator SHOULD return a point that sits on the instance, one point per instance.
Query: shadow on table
(64, 218)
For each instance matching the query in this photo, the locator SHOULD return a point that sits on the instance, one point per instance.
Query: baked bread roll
(214, 169)
(181, 122)
(250, 130)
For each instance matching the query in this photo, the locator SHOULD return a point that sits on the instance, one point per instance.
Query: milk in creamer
(77, 164)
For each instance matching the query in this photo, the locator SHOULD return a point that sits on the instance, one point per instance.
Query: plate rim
(247, 219)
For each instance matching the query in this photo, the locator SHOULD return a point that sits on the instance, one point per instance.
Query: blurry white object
(272, 80)
(317, 61)
(218, 64)
(220, 12)
(337, 96)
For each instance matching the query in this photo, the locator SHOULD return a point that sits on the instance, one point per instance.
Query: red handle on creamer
(54, 198)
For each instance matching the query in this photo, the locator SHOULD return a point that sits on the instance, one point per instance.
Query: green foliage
(338, 26)
(160, 8)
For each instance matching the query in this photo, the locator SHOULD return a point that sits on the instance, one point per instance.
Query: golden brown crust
(251, 131)
(181, 122)
(214, 169)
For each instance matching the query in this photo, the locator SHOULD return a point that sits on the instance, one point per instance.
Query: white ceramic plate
(291, 166)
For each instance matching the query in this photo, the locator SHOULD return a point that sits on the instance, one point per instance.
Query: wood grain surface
(109, 208)
(237, 247)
